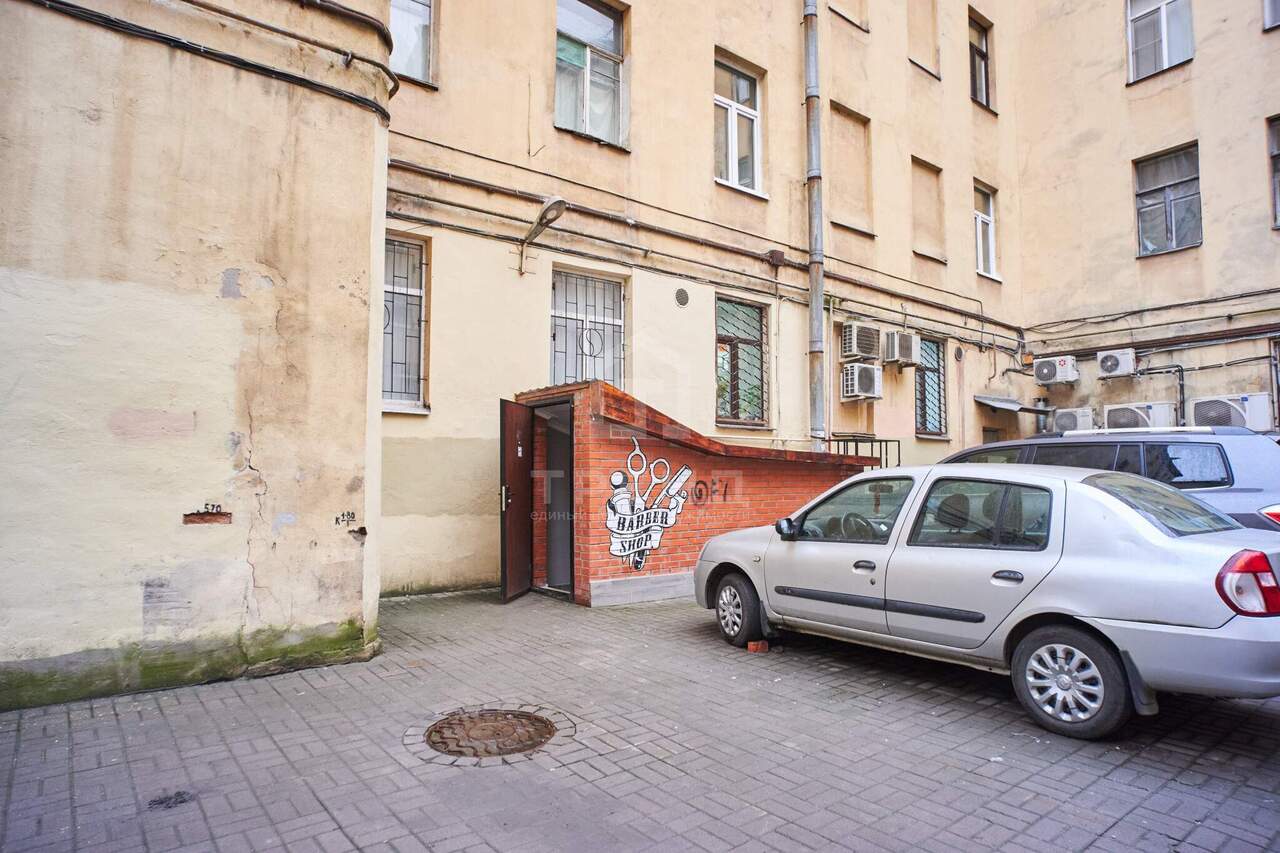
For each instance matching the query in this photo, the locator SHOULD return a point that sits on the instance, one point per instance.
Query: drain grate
(489, 733)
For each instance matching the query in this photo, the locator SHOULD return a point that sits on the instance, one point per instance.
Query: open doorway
(553, 496)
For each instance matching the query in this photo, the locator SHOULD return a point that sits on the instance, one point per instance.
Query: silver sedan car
(1092, 590)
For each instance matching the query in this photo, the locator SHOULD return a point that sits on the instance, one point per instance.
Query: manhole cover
(489, 733)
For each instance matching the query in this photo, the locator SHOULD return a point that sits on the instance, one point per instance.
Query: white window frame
(731, 134)
(981, 220)
(432, 15)
(584, 94)
(1163, 11)
(400, 404)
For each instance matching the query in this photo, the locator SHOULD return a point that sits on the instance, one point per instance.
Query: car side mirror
(786, 529)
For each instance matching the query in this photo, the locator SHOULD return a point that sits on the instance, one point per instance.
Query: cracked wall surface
(186, 251)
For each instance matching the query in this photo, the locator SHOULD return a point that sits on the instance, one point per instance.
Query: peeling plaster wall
(186, 251)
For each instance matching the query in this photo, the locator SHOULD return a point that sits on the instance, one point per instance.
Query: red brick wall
(724, 493)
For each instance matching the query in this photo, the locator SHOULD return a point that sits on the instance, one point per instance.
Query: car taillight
(1248, 585)
(1271, 512)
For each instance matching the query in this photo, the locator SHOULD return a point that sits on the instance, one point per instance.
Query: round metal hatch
(489, 733)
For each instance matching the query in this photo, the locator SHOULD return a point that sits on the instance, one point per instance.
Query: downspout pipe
(813, 187)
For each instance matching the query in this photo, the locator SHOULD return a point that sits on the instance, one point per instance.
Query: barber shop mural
(636, 518)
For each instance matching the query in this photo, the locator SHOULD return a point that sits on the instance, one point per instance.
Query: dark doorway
(559, 495)
(516, 449)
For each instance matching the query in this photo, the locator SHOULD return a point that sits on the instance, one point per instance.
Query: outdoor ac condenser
(1050, 371)
(1069, 419)
(861, 382)
(1243, 410)
(1139, 415)
(1117, 362)
(859, 342)
(901, 347)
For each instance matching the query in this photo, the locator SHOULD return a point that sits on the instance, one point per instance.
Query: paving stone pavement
(681, 743)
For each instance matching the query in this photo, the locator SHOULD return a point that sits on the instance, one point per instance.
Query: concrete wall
(186, 256)
(489, 327)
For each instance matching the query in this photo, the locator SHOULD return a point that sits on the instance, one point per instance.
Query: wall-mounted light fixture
(551, 210)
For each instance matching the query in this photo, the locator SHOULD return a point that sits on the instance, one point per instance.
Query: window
(1187, 466)
(926, 209)
(1270, 14)
(1129, 458)
(1168, 200)
(1101, 456)
(411, 33)
(1168, 509)
(1273, 135)
(979, 63)
(740, 362)
(1159, 35)
(737, 128)
(931, 389)
(922, 34)
(589, 69)
(1002, 455)
(864, 512)
(586, 329)
(403, 323)
(984, 229)
(980, 514)
(851, 169)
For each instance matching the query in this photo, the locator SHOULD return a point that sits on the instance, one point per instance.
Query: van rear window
(1187, 465)
(1164, 506)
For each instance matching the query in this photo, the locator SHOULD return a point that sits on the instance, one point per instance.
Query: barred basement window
(403, 323)
(741, 396)
(586, 329)
(931, 389)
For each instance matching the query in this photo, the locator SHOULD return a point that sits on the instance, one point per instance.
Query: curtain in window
(571, 65)
(411, 35)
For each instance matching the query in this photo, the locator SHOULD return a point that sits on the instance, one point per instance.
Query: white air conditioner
(1140, 415)
(861, 382)
(1058, 369)
(1068, 419)
(1117, 362)
(859, 342)
(901, 347)
(1243, 410)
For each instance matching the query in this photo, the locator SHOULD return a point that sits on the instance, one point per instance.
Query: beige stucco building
(568, 190)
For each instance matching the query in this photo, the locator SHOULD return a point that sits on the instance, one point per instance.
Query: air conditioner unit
(901, 347)
(1059, 369)
(859, 342)
(861, 382)
(1117, 362)
(1243, 410)
(1068, 419)
(1140, 415)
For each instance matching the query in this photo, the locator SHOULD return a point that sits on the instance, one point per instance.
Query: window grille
(586, 329)
(931, 389)
(741, 352)
(403, 322)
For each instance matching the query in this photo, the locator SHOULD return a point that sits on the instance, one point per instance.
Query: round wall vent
(682, 297)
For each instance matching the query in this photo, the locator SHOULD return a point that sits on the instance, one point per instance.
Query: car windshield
(1164, 506)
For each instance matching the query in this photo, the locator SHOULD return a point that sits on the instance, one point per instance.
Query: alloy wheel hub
(1065, 683)
(729, 609)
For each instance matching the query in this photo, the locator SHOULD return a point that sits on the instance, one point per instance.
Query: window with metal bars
(1168, 201)
(586, 329)
(403, 322)
(931, 389)
(741, 386)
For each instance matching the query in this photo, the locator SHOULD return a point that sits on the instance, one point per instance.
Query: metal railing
(887, 450)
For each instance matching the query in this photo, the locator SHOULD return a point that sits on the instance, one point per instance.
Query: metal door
(516, 447)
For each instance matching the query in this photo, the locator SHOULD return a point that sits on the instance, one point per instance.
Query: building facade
(223, 462)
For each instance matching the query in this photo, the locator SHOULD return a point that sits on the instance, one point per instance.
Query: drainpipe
(813, 185)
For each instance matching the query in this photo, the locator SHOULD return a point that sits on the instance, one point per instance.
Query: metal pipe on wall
(813, 186)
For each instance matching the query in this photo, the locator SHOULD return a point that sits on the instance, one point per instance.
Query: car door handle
(864, 566)
(1006, 575)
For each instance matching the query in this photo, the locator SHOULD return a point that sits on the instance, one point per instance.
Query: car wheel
(738, 611)
(1071, 683)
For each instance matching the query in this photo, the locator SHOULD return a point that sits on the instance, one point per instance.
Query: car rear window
(1102, 456)
(1188, 465)
(1164, 506)
(996, 454)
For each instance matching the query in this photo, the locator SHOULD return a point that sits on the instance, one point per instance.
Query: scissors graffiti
(636, 524)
